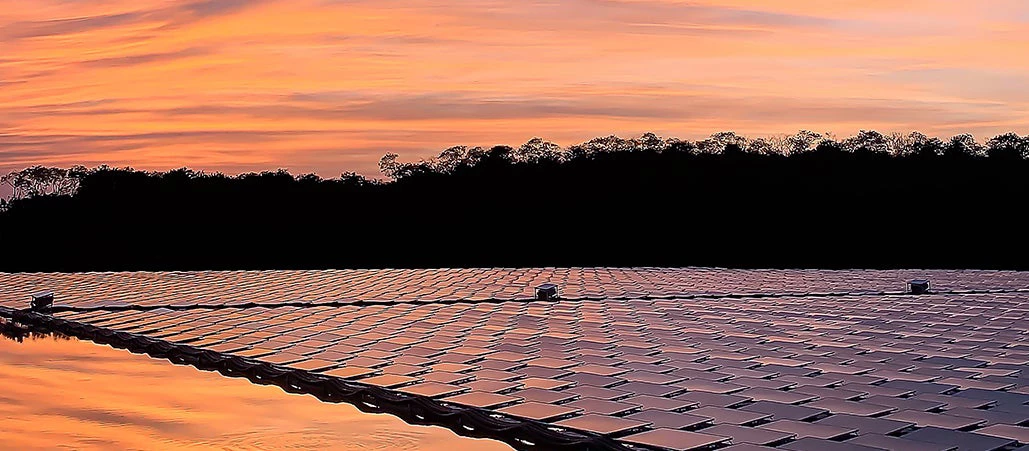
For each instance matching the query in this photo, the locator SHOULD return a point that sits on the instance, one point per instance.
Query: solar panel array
(217, 288)
(657, 358)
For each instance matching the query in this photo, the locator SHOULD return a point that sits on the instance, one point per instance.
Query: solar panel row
(218, 288)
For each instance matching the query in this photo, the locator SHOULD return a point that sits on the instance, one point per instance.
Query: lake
(66, 393)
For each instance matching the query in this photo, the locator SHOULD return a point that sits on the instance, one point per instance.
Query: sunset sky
(331, 85)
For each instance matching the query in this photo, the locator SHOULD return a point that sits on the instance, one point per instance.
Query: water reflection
(60, 392)
(20, 332)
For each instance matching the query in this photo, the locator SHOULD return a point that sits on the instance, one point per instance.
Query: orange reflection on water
(79, 395)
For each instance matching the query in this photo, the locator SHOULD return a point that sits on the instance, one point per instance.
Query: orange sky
(331, 85)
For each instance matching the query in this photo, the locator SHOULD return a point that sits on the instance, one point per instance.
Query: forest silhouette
(803, 200)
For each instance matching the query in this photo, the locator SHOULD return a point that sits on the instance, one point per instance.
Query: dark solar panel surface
(658, 358)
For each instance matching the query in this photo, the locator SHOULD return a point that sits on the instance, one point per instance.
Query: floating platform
(629, 358)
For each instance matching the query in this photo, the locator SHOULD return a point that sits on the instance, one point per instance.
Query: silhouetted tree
(718, 141)
(649, 143)
(451, 158)
(906, 145)
(536, 151)
(803, 141)
(680, 147)
(600, 145)
(43, 181)
(868, 141)
(828, 149)
(923, 147)
(1008, 146)
(354, 180)
(389, 166)
(766, 146)
(963, 147)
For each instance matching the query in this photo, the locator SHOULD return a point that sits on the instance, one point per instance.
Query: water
(65, 393)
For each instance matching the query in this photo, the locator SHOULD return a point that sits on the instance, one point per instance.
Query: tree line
(802, 200)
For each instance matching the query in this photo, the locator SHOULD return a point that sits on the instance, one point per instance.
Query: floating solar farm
(604, 358)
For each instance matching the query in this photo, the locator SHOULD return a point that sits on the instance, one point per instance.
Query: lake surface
(65, 393)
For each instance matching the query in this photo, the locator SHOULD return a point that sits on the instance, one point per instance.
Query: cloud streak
(170, 16)
(53, 27)
(145, 58)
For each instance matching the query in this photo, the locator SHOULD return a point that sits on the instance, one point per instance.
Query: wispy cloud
(170, 16)
(146, 58)
(53, 27)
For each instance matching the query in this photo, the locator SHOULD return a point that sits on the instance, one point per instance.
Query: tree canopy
(803, 200)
